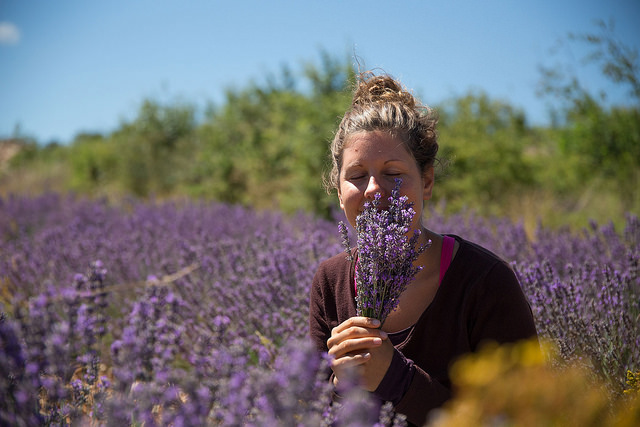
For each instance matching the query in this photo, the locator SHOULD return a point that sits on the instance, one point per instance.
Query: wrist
(397, 379)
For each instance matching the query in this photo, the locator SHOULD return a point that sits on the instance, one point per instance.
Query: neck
(430, 258)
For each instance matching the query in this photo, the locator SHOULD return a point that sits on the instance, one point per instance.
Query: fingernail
(375, 322)
(383, 334)
(377, 341)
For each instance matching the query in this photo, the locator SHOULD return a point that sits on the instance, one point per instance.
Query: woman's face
(371, 161)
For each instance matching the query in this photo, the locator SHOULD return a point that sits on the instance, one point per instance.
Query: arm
(423, 394)
(327, 305)
(319, 328)
(492, 307)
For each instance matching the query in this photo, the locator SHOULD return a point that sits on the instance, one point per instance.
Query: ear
(340, 199)
(428, 178)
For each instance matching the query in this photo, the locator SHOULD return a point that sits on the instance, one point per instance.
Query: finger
(359, 321)
(351, 360)
(354, 332)
(350, 334)
(354, 345)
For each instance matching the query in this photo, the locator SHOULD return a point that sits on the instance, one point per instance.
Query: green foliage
(93, 161)
(601, 143)
(151, 148)
(485, 146)
(608, 141)
(28, 153)
(267, 145)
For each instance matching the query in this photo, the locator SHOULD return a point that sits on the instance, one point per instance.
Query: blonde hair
(381, 103)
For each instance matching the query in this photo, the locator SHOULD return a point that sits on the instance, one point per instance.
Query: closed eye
(356, 177)
(393, 174)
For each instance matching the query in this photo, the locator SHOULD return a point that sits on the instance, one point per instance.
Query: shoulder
(476, 264)
(333, 270)
(496, 305)
(472, 255)
(336, 263)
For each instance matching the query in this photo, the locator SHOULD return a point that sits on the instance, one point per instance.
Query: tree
(484, 144)
(153, 146)
(616, 60)
(267, 145)
(93, 161)
(605, 139)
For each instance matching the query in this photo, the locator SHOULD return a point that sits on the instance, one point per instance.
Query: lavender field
(194, 313)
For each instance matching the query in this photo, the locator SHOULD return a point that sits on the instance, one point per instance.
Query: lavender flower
(216, 338)
(386, 256)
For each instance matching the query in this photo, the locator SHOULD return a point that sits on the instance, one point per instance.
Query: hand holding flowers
(359, 343)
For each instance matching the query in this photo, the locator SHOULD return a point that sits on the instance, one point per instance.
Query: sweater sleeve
(424, 394)
(330, 300)
(396, 381)
(319, 329)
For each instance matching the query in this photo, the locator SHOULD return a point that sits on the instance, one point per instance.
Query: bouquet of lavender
(384, 265)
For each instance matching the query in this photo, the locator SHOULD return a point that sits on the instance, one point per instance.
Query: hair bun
(383, 89)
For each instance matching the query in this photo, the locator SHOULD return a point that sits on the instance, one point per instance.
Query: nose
(373, 187)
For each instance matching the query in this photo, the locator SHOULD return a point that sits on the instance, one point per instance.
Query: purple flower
(216, 313)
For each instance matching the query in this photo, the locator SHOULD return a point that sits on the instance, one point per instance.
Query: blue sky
(69, 66)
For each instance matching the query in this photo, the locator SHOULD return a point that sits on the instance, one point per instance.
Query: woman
(463, 296)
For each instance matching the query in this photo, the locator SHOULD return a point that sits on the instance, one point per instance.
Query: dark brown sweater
(478, 300)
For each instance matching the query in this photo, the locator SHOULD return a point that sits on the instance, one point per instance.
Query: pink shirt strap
(446, 255)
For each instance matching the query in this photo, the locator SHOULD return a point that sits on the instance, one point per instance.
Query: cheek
(346, 201)
(350, 205)
(346, 191)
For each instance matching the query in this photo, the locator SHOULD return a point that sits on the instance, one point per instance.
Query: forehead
(374, 145)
